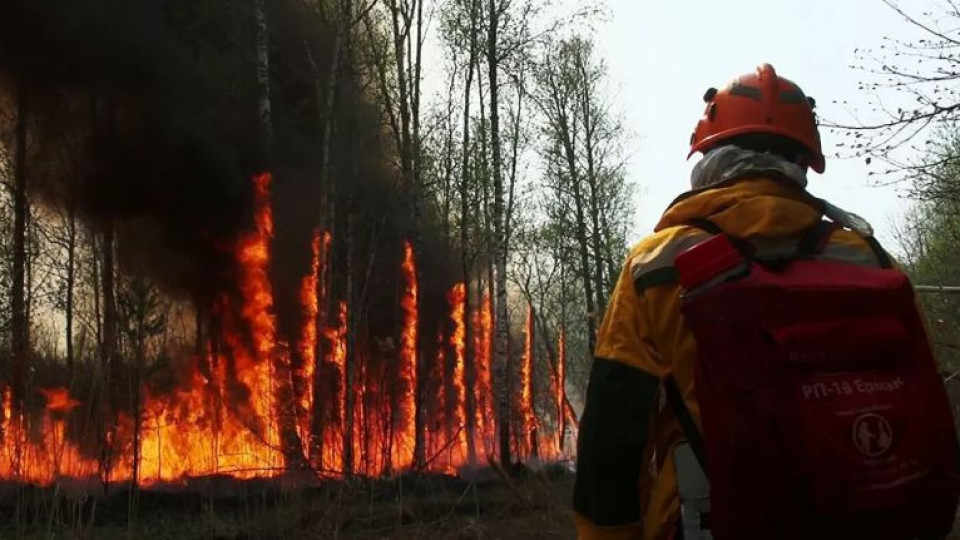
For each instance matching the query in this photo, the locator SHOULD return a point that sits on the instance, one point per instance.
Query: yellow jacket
(626, 483)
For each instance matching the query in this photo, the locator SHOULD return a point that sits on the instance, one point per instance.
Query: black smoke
(124, 121)
(143, 113)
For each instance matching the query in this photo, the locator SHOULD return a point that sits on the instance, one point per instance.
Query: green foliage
(929, 236)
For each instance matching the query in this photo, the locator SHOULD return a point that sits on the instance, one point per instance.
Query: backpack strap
(690, 429)
(705, 225)
(743, 246)
(816, 238)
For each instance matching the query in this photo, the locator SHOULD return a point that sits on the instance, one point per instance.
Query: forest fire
(253, 407)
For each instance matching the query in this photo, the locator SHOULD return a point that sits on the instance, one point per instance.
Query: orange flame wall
(233, 419)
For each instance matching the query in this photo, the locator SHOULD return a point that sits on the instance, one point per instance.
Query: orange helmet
(759, 102)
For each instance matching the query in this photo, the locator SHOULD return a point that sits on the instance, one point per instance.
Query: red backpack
(822, 411)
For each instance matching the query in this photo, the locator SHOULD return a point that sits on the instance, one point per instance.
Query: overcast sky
(663, 55)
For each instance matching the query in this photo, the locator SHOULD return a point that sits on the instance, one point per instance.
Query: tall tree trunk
(580, 228)
(408, 59)
(593, 183)
(263, 73)
(71, 276)
(355, 305)
(420, 417)
(469, 360)
(562, 359)
(585, 271)
(199, 336)
(420, 456)
(323, 309)
(502, 333)
(108, 350)
(30, 291)
(610, 258)
(514, 161)
(109, 361)
(448, 150)
(19, 322)
(137, 412)
(95, 262)
(326, 92)
(283, 372)
(351, 360)
(486, 239)
(530, 424)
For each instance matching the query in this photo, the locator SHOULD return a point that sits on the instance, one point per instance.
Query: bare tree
(914, 99)
(263, 71)
(465, 260)
(397, 69)
(582, 150)
(19, 322)
(142, 318)
(563, 120)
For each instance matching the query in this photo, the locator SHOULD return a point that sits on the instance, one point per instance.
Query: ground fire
(246, 409)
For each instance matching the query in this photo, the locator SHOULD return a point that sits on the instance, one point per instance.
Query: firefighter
(759, 137)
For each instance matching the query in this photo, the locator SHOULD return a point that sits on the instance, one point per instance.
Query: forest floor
(435, 507)
(429, 507)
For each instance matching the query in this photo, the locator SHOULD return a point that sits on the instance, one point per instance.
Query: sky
(663, 55)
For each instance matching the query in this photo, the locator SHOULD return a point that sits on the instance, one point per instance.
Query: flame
(405, 440)
(457, 300)
(193, 433)
(527, 440)
(333, 435)
(308, 342)
(58, 399)
(359, 417)
(439, 433)
(483, 349)
(7, 405)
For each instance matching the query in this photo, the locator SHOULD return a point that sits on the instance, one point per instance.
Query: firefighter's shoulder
(651, 260)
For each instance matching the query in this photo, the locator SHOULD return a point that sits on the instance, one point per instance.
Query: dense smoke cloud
(145, 115)
(124, 123)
